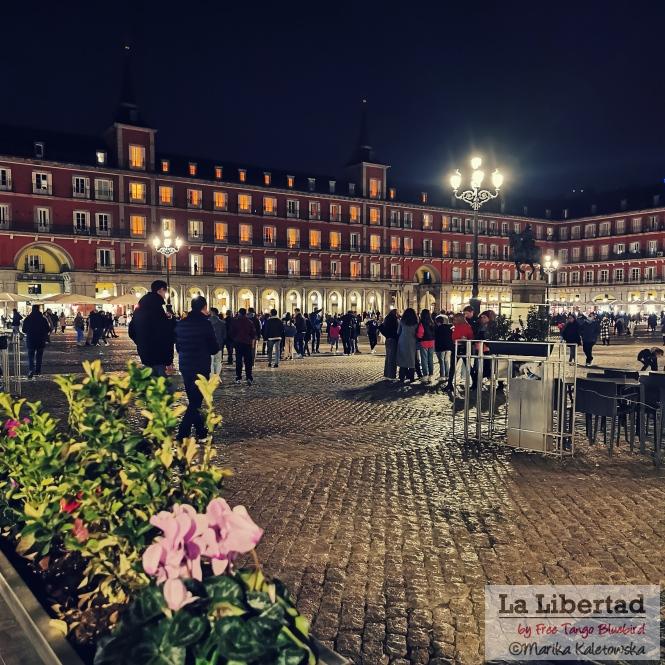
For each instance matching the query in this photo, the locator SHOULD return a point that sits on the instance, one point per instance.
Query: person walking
(443, 344)
(243, 333)
(389, 329)
(79, 327)
(273, 332)
(605, 330)
(228, 318)
(36, 329)
(372, 328)
(16, 321)
(301, 330)
(347, 323)
(62, 321)
(316, 323)
(406, 345)
(195, 342)
(334, 331)
(152, 330)
(425, 336)
(589, 332)
(570, 334)
(219, 327)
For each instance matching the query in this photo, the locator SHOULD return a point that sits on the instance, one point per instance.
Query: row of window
(603, 252)
(638, 274)
(616, 227)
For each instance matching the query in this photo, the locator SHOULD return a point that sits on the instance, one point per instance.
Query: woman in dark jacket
(571, 335)
(389, 330)
(443, 344)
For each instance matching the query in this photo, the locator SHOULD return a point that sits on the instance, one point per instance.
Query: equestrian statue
(525, 252)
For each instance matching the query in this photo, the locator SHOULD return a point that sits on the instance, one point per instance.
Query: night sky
(560, 94)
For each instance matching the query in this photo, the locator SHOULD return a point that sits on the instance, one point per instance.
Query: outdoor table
(650, 384)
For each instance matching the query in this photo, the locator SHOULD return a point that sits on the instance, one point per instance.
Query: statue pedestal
(525, 294)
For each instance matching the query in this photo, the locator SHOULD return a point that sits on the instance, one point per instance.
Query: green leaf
(245, 640)
(148, 605)
(224, 589)
(292, 656)
(185, 629)
(258, 600)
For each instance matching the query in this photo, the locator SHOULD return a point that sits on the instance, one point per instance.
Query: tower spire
(128, 110)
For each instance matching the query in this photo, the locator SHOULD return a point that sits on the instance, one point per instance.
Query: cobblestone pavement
(387, 529)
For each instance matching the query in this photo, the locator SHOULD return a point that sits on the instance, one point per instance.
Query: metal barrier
(10, 363)
(537, 383)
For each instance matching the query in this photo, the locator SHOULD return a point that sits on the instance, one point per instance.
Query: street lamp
(167, 247)
(550, 266)
(476, 197)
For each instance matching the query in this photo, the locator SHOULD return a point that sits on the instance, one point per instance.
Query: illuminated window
(136, 157)
(137, 192)
(242, 175)
(314, 268)
(246, 265)
(395, 244)
(244, 203)
(314, 239)
(354, 213)
(375, 270)
(245, 233)
(335, 212)
(445, 223)
(290, 181)
(374, 216)
(292, 238)
(165, 166)
(392, 193)
(314, 210)
(374, 188)
(269, 205)
(269, 236)
(194, 198)
(428, 221)
(192, 168)
(356, 269)
(137, 226)
(221, 263)
(270, 265)
(219, 200)
(375, 243)
(101, 157)
(221, 232)
(195, 228)
(168, 225)
(218, 172)
(335, 269)
(335, 240)
(294, 266)
(139, 260)
(408, 246)
(165, 195)
(266, 179)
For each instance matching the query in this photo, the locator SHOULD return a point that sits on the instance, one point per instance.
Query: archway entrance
(427, 301)
(245, 299)
(373, 303)
(314, 300)
(355, 302)
(269, 300)
(221, 300)
(292, 301)
(334, 302)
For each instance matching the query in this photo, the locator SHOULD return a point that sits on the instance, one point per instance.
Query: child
(334, 331)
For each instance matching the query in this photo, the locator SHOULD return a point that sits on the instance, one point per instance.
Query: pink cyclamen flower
(80, 531)
(236, 532)
(176, 594)
(10, 428)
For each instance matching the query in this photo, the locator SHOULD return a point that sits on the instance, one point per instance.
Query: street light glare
(477, 179)
(476, 163)
(497, 179)
(547, 258)
(456, 180)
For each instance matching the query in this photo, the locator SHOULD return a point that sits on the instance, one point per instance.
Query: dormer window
(331, 185)
(423, 197)
(218, 172)
(392, 193)
(165, 166)
(242, 175)
(40, 149)
(352, 189)
(266, 179)
(290, 181)
(192, 168)
(136, 157)
(311, 184)
(101, 157)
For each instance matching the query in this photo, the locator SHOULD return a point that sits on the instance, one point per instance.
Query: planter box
(27, 637)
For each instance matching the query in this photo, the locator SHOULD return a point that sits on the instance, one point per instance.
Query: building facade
(78, 215)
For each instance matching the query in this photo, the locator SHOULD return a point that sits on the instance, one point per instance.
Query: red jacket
(462, 331)
(243, 330)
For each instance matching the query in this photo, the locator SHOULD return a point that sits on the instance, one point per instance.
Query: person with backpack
(425, 335)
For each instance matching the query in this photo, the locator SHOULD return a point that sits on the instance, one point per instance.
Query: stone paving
(386, 528)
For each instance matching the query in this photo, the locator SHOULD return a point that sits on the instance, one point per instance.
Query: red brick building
(78, 214)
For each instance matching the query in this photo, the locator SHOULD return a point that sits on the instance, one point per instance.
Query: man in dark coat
(316, 322)
(36, 330)
(229, 340)
(243, 333)
(195, 342)
(589, 331)
(152, 330)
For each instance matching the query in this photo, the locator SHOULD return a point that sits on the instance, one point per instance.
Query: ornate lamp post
(167, 247)
(476, 197)
(549, 267)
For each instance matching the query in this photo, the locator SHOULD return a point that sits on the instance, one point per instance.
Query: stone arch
(56, 259)
(354, 301)
(427, 301)
(245, 298)
(221, 299)
(270, 300)
(427, 274)
(314, 300)
(373, 301)
(335, 302)
(138, 291)
(293, 301)
(193, 292)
